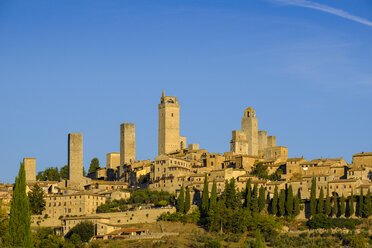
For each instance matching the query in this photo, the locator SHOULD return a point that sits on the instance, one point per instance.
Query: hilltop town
(254, 156)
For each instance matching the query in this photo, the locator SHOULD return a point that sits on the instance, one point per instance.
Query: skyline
(88, 67)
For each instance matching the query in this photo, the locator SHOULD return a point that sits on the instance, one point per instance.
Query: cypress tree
(261, 199)
(274, 202)
(232, 199)
(282, 202)
(367, 207)
(351, 204)
(19, 232)
(296, 206)
(289, 202)
(213, 200)
(313, 197)
(181, 201)
(187, 201)
(342, 205)
(335, 206)
(259, 242)
(205, 197)
(360, 203)
(327, 206)
(254, 199)
(248, 192)
(321, 201)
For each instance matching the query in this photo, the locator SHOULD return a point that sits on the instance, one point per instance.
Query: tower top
(163, 94)
(249, 112)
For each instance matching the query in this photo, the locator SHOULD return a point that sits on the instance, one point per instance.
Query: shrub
(323, 221)
(320, 221)
(85, 230)
(213, 244)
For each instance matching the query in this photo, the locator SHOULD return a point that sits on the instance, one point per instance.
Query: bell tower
(169, 125)
(250, 128)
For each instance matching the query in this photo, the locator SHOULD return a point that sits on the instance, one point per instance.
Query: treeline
(54, 174)
(143, 196)
(336, 206)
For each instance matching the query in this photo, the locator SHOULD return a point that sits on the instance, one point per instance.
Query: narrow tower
(250, 128)
(75, 158)
(30, 168)
(169, 125)
(127, 143)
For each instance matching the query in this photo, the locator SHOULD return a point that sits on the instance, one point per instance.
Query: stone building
(127, 143)
(112, 160)
(250, 141)
(363, 159)
(30, 169)
(72, 204)
(75, 158)
(169, 126)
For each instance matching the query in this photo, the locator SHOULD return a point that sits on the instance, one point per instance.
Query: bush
(213, 244)
(320, 221)
(355, 241)
(85, 230)
(192, 217)
(323, 221)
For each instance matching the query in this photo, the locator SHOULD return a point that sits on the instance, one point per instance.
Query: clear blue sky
(88, 66)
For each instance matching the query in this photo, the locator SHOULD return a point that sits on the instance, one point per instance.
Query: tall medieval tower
(250, 128)
(169, 125)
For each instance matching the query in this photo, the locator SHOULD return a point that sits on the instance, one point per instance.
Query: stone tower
(169, 125)
(30, 169)
(250, 128)
(75, 158)
(127, 143)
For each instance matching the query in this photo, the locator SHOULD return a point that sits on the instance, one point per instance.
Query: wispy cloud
(325, 8)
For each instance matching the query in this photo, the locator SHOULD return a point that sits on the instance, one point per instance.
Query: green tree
(321, 202)
(342, 205)
(94, 165)
(296, 205)
(327, 205)
(19, 232)
(282, 202)
(49, 174)
(254, 199)
(313, 197)
(360, 203)
(260, 170)
(248, 194)
(232, 199)
(335, 206)
(351, 204)
(289, 202)
(261, 199)
(213, 200)
(187, 201)
(274, 203)
(367, 206)
(4, 222)
(36, 198)
(64, 172)
(181, 201)
(205, 198)
(259, 243)
(85, 230)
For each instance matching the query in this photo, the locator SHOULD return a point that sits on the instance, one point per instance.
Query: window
(172, 114)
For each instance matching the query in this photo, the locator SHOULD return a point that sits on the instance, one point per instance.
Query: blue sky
(88, 66)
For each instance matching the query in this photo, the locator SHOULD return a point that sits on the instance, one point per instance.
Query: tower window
(172, 114)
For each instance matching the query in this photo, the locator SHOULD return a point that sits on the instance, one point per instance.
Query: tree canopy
(36, 198)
